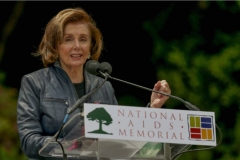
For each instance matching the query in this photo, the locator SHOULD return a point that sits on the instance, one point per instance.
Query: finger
(157, 85)
(164, 86)
(164, 83)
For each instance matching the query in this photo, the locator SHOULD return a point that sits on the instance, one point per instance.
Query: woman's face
(75, 47)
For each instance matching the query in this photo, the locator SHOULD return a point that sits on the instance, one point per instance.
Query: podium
(79, 143)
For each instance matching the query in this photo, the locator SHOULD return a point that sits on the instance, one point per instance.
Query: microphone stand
(187, 104)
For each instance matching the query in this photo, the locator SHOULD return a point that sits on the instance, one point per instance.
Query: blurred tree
(9, 139)
(196, 49)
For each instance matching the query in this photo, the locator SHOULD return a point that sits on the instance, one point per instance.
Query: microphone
(105, 69)
(93, 67)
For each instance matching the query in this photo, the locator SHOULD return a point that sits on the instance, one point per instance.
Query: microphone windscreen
(92, 66)
(106, 67)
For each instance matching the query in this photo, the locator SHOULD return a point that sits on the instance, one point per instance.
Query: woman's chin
(77, 63)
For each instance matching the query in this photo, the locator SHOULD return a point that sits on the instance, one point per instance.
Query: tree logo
(101, 116)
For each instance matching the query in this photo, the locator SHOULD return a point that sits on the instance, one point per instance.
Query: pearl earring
(89, 56)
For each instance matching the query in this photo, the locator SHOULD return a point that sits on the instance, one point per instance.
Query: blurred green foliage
(200, 59)
(9, 139)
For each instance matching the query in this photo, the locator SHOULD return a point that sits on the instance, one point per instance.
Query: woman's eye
(68, 39)
(83, 39)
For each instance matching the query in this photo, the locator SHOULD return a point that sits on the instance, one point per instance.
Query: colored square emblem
(201, 128)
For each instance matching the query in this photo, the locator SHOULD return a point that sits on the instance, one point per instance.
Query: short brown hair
(54, 34)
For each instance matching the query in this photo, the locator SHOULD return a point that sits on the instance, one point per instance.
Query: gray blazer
(43, 100)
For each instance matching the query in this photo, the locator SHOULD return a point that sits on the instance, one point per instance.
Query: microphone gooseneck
(105, 69)
(187, 104)
(78, 103)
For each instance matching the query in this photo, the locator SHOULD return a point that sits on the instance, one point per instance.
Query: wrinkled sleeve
(29, 118)
(111, 93)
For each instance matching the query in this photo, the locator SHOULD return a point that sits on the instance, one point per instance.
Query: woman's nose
(76, 45)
